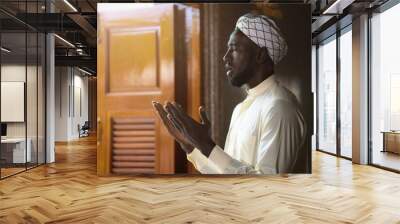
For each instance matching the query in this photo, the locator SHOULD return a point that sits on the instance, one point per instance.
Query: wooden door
(136, 64)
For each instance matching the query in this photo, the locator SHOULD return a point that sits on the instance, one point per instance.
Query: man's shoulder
(279, 96)
(283, 93)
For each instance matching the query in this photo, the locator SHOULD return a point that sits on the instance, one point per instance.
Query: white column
(50, 110)
(360, 90)
(50, 92)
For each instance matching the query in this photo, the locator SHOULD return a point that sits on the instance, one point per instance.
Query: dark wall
(231, 96)
(294, 71)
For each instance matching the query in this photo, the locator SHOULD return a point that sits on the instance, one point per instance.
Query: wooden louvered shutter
(136, 64)
(144, 53)
(133, 146)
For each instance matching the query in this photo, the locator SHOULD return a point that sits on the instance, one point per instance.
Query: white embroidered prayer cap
(264, 32)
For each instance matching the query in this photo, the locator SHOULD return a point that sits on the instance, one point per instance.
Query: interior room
(82, 142)
(22, 100)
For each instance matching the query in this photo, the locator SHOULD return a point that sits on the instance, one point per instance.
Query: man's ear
(262, 55)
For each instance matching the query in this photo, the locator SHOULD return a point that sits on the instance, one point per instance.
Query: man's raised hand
(197, 134)
(172, 127)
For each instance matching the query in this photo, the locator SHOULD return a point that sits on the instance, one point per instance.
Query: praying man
(267, 129)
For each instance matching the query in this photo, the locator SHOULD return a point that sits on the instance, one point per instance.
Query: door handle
(99, 132)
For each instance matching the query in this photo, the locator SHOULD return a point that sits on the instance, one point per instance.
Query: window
(394, 101)
(346, 93)
(334, 106)
(327, 96)
(385, 88)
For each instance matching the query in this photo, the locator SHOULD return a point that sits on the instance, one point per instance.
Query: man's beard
(242, 78)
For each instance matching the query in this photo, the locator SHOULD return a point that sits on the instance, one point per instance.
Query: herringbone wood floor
(70, 192)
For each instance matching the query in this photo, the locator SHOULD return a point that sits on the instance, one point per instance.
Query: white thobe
(266, 135)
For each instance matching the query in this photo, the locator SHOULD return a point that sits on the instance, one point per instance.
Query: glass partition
(31, 100)
(13, 94)
(327, 95)
(22, 88)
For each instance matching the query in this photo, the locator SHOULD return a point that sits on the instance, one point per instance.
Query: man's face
(239, 59)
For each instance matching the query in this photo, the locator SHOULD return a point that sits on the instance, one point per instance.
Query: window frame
(378, 10)
(335, 36)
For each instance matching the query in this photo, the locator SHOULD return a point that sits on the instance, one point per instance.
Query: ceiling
(22, 22)
(75, 21)
(72, 20)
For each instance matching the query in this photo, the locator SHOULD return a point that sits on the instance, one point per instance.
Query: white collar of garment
(262, 87)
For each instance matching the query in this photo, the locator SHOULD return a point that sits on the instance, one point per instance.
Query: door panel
(135, 66)
(138, 72)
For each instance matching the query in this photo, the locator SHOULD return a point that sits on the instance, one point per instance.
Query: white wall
(71, 94)
(61, 103)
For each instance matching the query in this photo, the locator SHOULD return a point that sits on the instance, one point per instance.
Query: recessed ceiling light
(337, 7)
(5, 50)
(65, 41)
(84, 71)
(70, 5)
